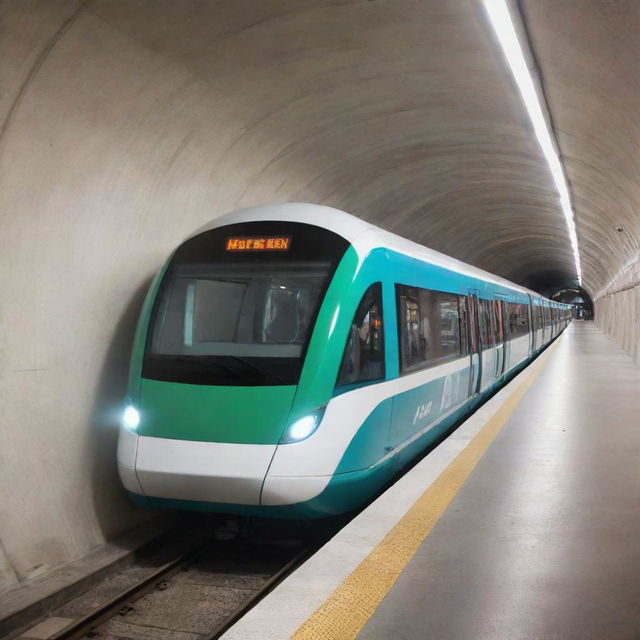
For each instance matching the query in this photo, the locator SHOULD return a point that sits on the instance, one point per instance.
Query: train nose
(212, 472)
(208, 443)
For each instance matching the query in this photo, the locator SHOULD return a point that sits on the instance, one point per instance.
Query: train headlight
(302, 428)
(131, 418)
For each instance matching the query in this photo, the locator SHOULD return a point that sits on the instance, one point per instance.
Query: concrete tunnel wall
(126, 125)
(586, 55)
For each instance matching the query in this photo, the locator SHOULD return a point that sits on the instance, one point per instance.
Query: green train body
(290, 359)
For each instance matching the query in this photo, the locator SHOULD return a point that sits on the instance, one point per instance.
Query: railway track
(188, 587)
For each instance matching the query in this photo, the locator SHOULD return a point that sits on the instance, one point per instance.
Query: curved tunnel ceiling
(403, 113)
(400, 112)
(588, 55)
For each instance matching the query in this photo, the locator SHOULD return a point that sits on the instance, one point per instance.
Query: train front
(220, 349)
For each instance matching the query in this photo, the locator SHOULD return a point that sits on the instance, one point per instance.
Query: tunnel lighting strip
(500, 17)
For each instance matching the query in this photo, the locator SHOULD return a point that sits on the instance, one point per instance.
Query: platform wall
(617, 310)
(110, 155)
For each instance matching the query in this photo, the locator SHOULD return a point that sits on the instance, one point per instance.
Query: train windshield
(234, 310)
(241, 316)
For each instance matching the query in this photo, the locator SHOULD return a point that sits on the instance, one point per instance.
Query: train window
(513, 322)
(463, 323)
(518, 320)
(240, 318)
(532, 317)
(484, 323)
(412, 344)
(445, 309)
(431, 327)
(498, 322)
(363, 358)
(537, 310)
(471, 323)
(212, 310)
(486, 314)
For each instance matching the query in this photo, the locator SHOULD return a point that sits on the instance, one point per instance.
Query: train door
(486, 342)
(475, 373)
(501, 337)
(546, 332)
(506, 332)
(537, 312)
(532, 326)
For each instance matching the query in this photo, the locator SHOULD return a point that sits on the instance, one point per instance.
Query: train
(290, 360)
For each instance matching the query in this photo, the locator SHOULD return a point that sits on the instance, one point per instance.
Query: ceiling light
(500, 17)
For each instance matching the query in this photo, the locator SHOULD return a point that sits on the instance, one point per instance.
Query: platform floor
(543, 541)
(538, 539)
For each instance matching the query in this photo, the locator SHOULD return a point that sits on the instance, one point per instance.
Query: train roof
(362, 235)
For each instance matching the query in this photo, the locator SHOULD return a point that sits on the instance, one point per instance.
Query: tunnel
(126, 126)
(578, 298)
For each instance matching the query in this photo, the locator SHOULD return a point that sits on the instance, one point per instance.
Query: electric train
(290, 359)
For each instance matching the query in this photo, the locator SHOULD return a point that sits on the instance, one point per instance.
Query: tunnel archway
(578, 298)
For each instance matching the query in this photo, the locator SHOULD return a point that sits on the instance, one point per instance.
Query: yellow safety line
(349, 607)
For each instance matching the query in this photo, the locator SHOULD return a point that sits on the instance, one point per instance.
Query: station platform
(523, 524)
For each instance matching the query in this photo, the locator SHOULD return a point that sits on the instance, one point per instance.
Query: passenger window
(413, 346)
(443, 322)
(431, 326)
(487, 323)
(518, 320)
(498, 324)
(463, 323)
(363, 359)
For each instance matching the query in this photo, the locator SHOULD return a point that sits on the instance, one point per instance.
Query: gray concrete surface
(618, 309)
(296, 599)
(587, 54)
(125, 125)
(542, 540)
(36, 598)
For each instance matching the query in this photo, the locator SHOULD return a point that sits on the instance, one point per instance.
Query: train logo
(422, 411)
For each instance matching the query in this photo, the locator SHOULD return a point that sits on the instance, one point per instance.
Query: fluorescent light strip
(500, 17)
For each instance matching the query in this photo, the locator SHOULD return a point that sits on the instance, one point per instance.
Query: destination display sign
(258, 243)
